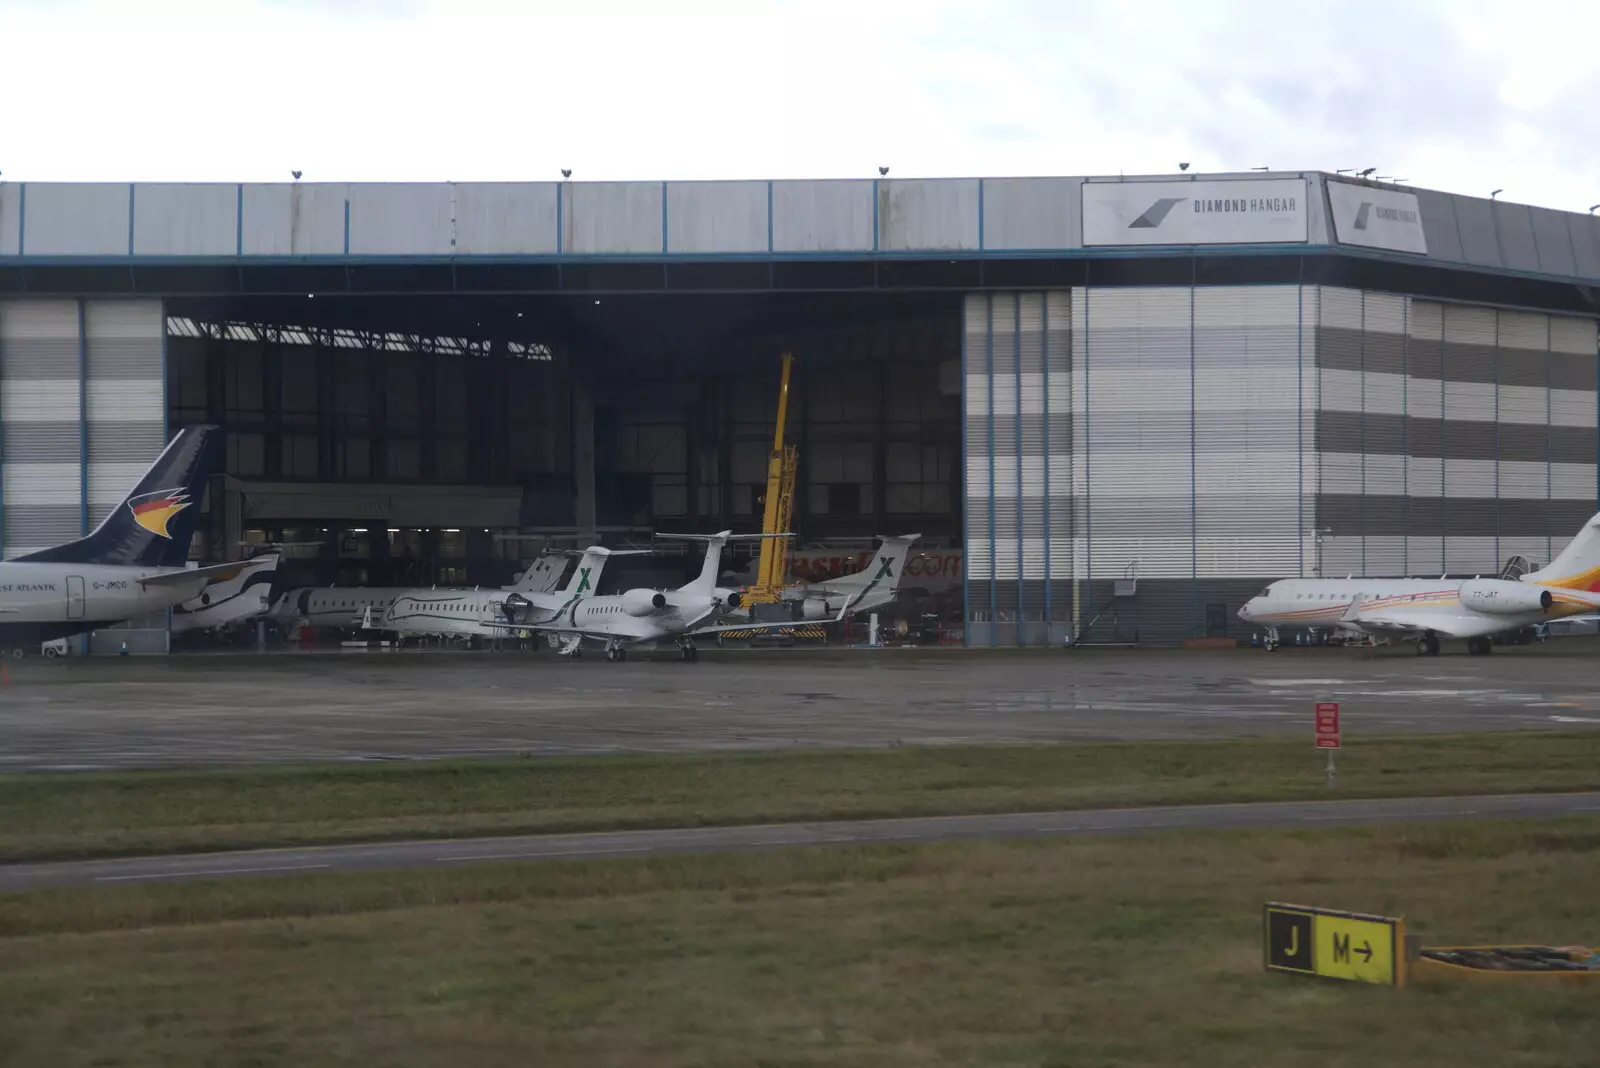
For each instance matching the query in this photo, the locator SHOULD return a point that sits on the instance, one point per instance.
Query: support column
(583, 464)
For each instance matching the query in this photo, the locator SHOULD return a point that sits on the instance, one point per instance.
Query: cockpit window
(1266, 592)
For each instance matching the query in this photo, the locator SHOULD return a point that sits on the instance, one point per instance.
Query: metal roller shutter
(41, 456)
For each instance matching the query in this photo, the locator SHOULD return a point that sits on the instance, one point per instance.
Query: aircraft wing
(1402, 621)
(213, 573)
(843, 611)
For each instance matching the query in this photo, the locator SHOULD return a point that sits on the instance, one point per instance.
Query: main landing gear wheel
(687, 653)
(1428, 645)
(1479, 646)
(616, 653)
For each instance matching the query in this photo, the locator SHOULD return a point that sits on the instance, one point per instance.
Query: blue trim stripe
(769, 220)
(966, 489)
(1300, 415)
(131, 188)
(980, 215)
(994, 580)
(1088, 452)
(875, 245)
(663, 218)
(1016, 375)
(22, 219)
(83, 418)
(347, 226)
(1044, 362)
(561, 227)
(238, 220)
(1194, 478)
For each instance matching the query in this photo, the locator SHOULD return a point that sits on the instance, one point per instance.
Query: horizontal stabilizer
(213, 573)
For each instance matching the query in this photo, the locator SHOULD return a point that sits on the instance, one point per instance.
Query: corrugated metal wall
(82, 414)
(1206, 440)
(1017, 358)
(1452, 437)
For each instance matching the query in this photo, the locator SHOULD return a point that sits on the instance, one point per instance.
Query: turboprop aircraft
(640, 616)
(1425, 611)
(131, 565)
(482, 613)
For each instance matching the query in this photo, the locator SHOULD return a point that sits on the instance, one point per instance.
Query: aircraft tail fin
(543, 575)
(706, 582)
(586, 576)
(880, 578)
(153, 524)
(1577, 567)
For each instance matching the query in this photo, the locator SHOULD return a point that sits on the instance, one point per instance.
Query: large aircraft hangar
(1113, 407)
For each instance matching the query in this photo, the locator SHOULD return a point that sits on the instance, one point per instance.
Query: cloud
(1448, 93)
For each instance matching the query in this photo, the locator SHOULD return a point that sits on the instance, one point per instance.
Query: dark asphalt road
(392, 855)
(232, 710)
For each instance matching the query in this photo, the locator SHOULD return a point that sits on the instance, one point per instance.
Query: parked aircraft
(1425, 611)
(240, 599)
(482, 613)
(876, 584)
(640, 615)
(131, 565)
(348, 606)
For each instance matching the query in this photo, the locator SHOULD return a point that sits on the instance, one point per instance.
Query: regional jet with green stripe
(459, 614)
(645, 616)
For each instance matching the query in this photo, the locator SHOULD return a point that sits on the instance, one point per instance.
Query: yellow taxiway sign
(1304, 940)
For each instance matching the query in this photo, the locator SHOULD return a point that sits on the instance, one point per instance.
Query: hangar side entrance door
(75, 597)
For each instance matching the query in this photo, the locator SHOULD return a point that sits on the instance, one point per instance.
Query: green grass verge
(1142, 950)
(78, 814)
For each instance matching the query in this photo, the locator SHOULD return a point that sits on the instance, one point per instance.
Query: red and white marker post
(1328, 733)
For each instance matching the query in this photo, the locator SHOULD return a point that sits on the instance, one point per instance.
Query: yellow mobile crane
(782, 464)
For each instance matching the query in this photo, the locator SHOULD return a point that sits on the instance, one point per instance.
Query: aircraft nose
(1246, 611)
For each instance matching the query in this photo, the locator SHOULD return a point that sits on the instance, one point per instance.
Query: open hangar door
(404, 437)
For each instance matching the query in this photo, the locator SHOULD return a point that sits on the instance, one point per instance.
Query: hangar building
(1114, 407)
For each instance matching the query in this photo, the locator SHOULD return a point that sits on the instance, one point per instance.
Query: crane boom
(782, 466)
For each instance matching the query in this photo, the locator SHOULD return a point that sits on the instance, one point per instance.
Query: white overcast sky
(1461, 95)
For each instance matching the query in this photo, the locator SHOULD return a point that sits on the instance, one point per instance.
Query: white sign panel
(1194, 213)
(1376, 218)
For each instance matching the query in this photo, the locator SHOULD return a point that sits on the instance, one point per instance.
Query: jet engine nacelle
(728, 598)
(1499, 597)
(516, 608)
(813, 608)
(643, 602)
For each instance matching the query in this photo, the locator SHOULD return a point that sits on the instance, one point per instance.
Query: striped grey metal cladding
(1341, 348)
(39, 525)
(1150, 430)
(1373, 432)
(62, 442)
(1355, 514)
(1166, 610)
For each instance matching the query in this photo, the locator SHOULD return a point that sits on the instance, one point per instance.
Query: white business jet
(639, 616)
(1424, 610)
(483, 613)
(133, 564)
(874, 586)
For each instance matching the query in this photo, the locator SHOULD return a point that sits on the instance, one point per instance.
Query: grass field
(1084, 953)
(78, 814)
